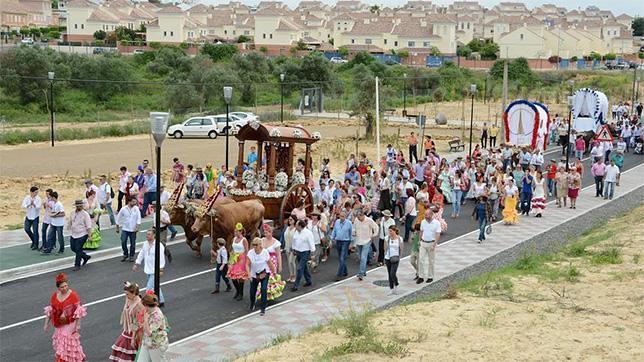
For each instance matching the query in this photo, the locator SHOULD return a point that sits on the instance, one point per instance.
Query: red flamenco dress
(66, 339)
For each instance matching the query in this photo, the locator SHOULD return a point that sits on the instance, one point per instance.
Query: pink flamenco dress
(439, 201)
(66, 339)
(275, 283)
(237, 261)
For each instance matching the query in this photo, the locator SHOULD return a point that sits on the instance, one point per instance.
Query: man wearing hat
(89, 187)
(384, 222)
(165, 222)
(80, 225)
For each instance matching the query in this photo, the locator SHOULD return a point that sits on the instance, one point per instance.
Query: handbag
(488, 229)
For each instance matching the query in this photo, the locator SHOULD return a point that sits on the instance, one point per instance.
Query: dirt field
(65, 166)
(584, 304)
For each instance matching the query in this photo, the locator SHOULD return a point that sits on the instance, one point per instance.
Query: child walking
(221, 265)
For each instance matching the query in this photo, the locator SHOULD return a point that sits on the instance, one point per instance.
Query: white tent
(526, 124)
(589, 109)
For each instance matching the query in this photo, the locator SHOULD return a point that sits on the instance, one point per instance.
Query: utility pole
(505, 96)
(377, 121)
(634, 81)
(52, 113)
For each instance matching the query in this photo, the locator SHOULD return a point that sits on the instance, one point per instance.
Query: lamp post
(567, 147)
(158, 127)
(405, 95)
(473, 91)
(228, 96)
(50, 76)
(282, 98)
(634, 80)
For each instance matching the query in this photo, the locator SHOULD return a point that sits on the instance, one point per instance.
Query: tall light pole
(52, 114)
(282, 76)
(228, 96)
(473, 91)
(405, 95)
(567, 147)
(634, 80)
(158, 127)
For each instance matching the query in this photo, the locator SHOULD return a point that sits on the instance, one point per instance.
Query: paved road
(190, 306)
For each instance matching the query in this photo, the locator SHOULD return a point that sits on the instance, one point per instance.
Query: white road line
(320, 290)
(108, 299)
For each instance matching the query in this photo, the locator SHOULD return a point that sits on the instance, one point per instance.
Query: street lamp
(567, 147)
(473, 91)
(228, 96)
(158, 128)
(634, 80)
(405, 95)
(282, 98)
(50, 76)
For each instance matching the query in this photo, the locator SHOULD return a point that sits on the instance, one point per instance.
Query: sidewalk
(296, 315)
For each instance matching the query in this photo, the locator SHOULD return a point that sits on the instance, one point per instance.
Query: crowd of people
(368, 210)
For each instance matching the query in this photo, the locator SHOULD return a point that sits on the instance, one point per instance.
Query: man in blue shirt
(341, 236)
(150, 183)
(526, 192)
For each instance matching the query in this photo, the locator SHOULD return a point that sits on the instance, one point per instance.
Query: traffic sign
(604, 134)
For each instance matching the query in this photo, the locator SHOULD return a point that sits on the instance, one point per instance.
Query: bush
(610, 56)
(184, 45)
(154, 45)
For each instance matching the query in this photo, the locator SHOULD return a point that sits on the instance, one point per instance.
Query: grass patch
(610, 255)
(14, 226)
(281, 338)
(354, 324)
(572, 273)
(489, 319)
(365, 345)
(636, 259)
(15, 137)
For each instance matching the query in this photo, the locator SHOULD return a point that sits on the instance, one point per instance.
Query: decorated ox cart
(276, 181)
(526, 124)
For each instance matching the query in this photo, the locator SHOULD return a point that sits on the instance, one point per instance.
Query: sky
(630, 7)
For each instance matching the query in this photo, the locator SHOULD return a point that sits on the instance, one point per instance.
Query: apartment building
(416, 26)
(15, 14)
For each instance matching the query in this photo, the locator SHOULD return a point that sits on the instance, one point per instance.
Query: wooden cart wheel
(294, 194)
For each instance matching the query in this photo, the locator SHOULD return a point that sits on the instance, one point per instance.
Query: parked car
(139, 51)
(27, 41)
(98, 50)
(338, 60)
(204, 126)
(245, 116)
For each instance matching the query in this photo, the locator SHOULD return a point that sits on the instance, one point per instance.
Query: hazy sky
(631, 7)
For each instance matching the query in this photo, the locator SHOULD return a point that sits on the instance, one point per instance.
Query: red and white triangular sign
(604, 134)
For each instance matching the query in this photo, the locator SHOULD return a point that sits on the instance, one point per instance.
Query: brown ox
(221, 220)
(183, 214)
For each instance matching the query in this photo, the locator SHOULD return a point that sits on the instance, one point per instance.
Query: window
(270, 36)
(225, 32)
(194, 122)
(468, 26)
(83, 26)
(425, 44)
(521, 36)
(396, 43)
(172, 33)
(338, 28)
(367, 41)
(165, 33)
(411, 44)
(206, 122)
(353, 41)
(385, 41)
(75, 26)
(264, 36)
(345, 29)
(234, 32)
(246, 32)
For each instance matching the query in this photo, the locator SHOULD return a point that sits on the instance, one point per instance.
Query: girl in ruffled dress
(237, 261)
(64, 313)
(128, 342)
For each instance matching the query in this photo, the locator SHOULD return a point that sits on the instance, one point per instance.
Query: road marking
(319, 290)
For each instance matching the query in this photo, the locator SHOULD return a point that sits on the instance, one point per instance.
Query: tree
(250, 68)
(54, 34)
(574, 58)
(610, 56)
(361, 58)
(464, 51)
(100, 35)
(54, 4)
(595, 56)
(142, 28)
(343, 51)
(219, 52)
(315, 68)
(181, 97)
(435, 51)
(301, 45)
(263, 49)
(124, 33)
(403, 54)
(489, 51)
(375, 9)
(109, 68)
(363, 102)
(638, 26)
(640, 55)
(243, 39)
(475, 45)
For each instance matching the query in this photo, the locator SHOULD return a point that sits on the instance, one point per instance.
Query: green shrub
(607, 256)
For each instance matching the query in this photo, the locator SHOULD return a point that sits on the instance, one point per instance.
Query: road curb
(26, 271)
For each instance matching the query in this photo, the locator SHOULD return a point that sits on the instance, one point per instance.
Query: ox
(183, 214)
(222, 218)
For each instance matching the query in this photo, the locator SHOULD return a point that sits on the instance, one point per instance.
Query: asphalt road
(190, 307)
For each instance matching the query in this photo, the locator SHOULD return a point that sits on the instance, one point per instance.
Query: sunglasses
(255, 244)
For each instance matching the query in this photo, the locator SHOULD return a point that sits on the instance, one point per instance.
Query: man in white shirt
(128, 221)
(57, 216)
(385, 222)
(165, 223)
(89, 187)
(105, 198)
(32, 204)
(430, 231)
(303, 246)
(611, 177)
(46, 220)
(506, 156)
(597, 152)
(146, 256)
(364, 229)
(80, 226)
(123, 177)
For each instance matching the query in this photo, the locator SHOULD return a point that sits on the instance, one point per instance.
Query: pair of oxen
(216, 218)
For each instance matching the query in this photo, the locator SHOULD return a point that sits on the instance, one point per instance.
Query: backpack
(111, 191)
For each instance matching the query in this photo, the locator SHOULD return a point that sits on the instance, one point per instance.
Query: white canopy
(589, 109)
